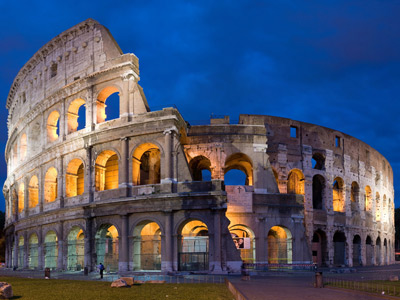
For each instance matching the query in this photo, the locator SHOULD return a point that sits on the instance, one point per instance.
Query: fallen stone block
(155, 281)
(5, 290)
(119, 283)
(128, 280)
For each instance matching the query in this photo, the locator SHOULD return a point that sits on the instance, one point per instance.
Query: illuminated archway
(33, 192)
(147, 246)
(378, 251)
(73, 115)
(193, 246)
(146, 164)
(295, 184)
(368, 198)
(244, 240)
(106, 171)
(241, 162)
(107, 247)
(319, 248)
(197, 165)
(75, 181)
(50, 250)
(279, 245)
(50, 185)
(23, 147)
(21, 252)
(76, 249)
(337, 193)
(33, 251)
(101, 103)
(354, 196)
(21, 197)
(53, 126)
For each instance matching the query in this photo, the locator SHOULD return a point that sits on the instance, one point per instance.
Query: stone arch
(338, 194)
(295, 183)
(107, 246)
(385, 252)
(102, 97)
(318, 161)
(368, 198)
(75, 248)
(146, 164)
(75, 178)
(339, 245)
(33, 251)
(244, 240)
(240, 161)
(355, 196)
(369, 251)
(193, 246)
(357, 259)
(33, 192)
(50, 185)
(279, 245)
(319, 248)
(197, 165)
(106, 171)
(378, 250)
(147, 246)
(51, 249)
(53, 126)
(21, 197)
(73, 114)
(318, 188)
(23, 146)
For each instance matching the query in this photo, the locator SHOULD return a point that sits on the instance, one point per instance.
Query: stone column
(215, 263)
(261, 249)
(124, 99)
(60, 179)
(26, 250)
(61, 250)
(87, 260)
(89, 175)
(168, 157)
(62, 123)
(41, 189)
(26, 196)
(89, 109)
(40, 249)
(15, 262)
(167, 259)
(349, 250)
(124, 245)
(124, 185)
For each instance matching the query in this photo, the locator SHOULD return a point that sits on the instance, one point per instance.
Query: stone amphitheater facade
(147, 191)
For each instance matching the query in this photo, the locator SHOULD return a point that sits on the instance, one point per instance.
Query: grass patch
(39, 289)
(381, 287)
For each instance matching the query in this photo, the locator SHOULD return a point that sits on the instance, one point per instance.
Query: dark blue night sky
(332, 63)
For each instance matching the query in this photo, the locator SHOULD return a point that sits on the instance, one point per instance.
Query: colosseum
(145, 191)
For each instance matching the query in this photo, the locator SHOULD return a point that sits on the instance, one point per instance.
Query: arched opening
(357, 251)
(369, 251)
(378, 207)
(76, 111)
(199, 164)
(295, 184)
(106, 171)
(354, 196)
(339, 245)
(107, 247)
(50, 250)
(378, 251)
(74, 178)
(319, 248)
(318, 188)
(318, 161)
(147, 246)
(23, 147)
(50, 185)
(241, 162)
(245, 242)
(21, 252)
(33, 192)
(279, 245)
(14, 202)
(368, 198)
(110, 94)
(21, 197)
(53, 126)
(76, 249)
(193, 247)
(33, 251)
(146, 164)
(385, 252)
(337, 192)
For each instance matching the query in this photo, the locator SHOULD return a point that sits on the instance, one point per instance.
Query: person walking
(101, 268)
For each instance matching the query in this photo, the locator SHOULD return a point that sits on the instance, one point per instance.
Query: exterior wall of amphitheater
(129, 192)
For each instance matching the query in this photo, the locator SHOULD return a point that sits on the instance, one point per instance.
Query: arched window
(279, 245)
(197, 165)
(76, 249)
(53, 126)
(33, 192)
(21, 197)
(107, 246)
(318, 192)
(244, 240)
(33, 251)
(146, 164)
(51, 250)
(107, 171)
(368, 198)
(295, 184)
(23, 147)
(339, 245)
(318, 161)
(74, 178)
(76, 109)
(50, 185)
(241, 162)
(338, 199)
(147, 246)
(354, 196)
(111, 94)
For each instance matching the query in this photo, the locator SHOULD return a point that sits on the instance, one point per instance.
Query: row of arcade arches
(146, 254)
